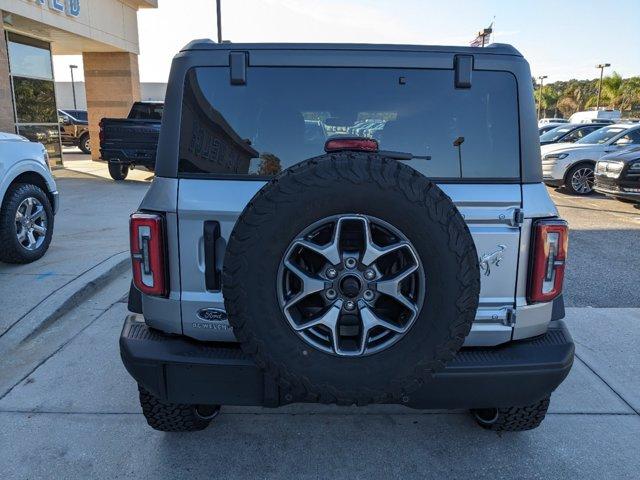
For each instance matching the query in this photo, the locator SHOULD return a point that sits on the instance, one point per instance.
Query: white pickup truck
(28, 199)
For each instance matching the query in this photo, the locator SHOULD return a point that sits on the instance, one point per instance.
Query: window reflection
(208, 143)
(35, 100)
(29, 57)
(48, 135)
(284, 115)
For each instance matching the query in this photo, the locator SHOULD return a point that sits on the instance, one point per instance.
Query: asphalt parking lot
(604, 259)
(75, 414)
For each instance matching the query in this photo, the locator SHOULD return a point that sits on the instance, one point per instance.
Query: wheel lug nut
(331, 272)
(349, 305)
(330, 294)
(350, 262)
(369, 274)
(368, 295)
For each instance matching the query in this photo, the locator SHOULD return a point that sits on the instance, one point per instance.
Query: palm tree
(549, 99)
(630, 93)
(612, 90)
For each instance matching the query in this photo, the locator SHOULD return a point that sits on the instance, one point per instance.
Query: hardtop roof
(491, 49)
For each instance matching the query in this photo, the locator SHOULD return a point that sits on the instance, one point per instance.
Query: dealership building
(104, 32)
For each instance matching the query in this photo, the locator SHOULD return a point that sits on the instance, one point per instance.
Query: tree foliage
(567, 97)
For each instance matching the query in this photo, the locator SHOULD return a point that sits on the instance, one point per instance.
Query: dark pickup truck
(131, 142)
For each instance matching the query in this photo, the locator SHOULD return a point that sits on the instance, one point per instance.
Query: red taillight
(548, 258)
(351, 143)
(146, 234)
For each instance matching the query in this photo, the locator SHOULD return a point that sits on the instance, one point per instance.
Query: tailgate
(490, 210)
(119, 133)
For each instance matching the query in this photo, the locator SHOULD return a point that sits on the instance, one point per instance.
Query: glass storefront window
(48, 135)
(29, 57)
(35, 100)
(34, 97)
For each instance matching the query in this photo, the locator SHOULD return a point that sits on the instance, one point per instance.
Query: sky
(562, 39)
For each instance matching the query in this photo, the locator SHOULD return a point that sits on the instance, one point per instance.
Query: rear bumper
(145, 158)
(180, 370)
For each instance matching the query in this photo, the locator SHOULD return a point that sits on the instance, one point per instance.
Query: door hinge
(518, 217)
(510, 317)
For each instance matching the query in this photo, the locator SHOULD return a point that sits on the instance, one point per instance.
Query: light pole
(601, 66)
(541, 78)
(219, 15)
(73, 86)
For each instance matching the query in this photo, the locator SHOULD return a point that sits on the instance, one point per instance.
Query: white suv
(28, 199)
(572, 164)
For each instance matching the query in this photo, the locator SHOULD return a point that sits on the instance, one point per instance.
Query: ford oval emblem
(212, 314)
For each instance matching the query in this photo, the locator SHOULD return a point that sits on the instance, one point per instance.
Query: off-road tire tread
(14, 195)
(517, 419)
(170, 417)
(354, 167)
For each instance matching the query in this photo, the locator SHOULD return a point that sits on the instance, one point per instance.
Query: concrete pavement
(77, 161)
(90, 234)
(604, 261)
(68, 408)
(76, 416)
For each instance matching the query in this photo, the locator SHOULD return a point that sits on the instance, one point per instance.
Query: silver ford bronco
(348, 224)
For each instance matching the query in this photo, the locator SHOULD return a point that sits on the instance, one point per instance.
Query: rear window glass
(146, 111)
(601, 136)
(284, 115)
(555, 134)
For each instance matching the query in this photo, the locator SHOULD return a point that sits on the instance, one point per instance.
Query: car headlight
(556, 156)
(634, 166)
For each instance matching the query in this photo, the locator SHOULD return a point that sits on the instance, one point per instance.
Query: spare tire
(351, 278)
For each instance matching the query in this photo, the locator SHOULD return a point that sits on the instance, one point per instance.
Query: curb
(63, 300)
(35, 337)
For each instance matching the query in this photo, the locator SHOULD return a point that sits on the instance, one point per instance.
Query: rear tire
(512, 419)
(118, 171)
(175, 417)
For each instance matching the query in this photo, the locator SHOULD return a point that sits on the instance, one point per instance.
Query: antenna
(219, 16)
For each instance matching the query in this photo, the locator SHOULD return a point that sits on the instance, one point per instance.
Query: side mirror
(63, 120)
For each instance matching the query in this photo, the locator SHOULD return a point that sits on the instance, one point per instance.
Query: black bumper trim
(180, 370)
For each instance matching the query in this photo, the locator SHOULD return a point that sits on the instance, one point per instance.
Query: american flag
(483, 38)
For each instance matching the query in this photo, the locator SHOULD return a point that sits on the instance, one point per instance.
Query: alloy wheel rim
(31, 223)
(351, 285)
(582, 180)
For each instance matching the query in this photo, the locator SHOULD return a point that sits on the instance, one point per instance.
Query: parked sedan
(618, 175)
(569, 133)
(572, 165)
